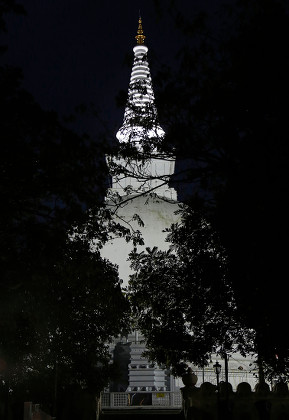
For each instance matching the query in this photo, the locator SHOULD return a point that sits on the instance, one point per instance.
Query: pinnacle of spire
(140, 117)
(140, 36)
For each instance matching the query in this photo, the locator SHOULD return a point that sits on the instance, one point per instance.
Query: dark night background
(226, 106)
(74, 52)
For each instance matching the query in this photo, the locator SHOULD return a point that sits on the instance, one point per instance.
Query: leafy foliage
(182, 298)
(60, 301)
(225, 111)
(235, 130)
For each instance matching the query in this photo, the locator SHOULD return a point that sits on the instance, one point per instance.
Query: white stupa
(140, 117)
(142, 186)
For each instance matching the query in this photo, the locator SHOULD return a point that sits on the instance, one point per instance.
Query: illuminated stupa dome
(140, 122)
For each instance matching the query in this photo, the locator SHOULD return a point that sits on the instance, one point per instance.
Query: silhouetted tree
(183, 300)
(226, 111)
(60, 302)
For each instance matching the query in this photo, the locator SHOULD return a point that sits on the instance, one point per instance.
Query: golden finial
(140, 36)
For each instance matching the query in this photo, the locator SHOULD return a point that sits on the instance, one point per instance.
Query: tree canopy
(182, 299)
(226, 111)
(60, 302)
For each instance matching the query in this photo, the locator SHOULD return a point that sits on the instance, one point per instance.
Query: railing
(127, 400)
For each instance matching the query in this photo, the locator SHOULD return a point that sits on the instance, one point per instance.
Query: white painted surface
(157, 214)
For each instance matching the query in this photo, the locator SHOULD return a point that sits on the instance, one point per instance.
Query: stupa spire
(140, 122)
(140, 36)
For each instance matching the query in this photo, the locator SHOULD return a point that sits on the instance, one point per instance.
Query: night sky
(74, 52)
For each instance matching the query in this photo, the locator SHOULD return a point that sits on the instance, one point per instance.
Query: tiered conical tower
(140, 117)
(140, 184)
(140, 187)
